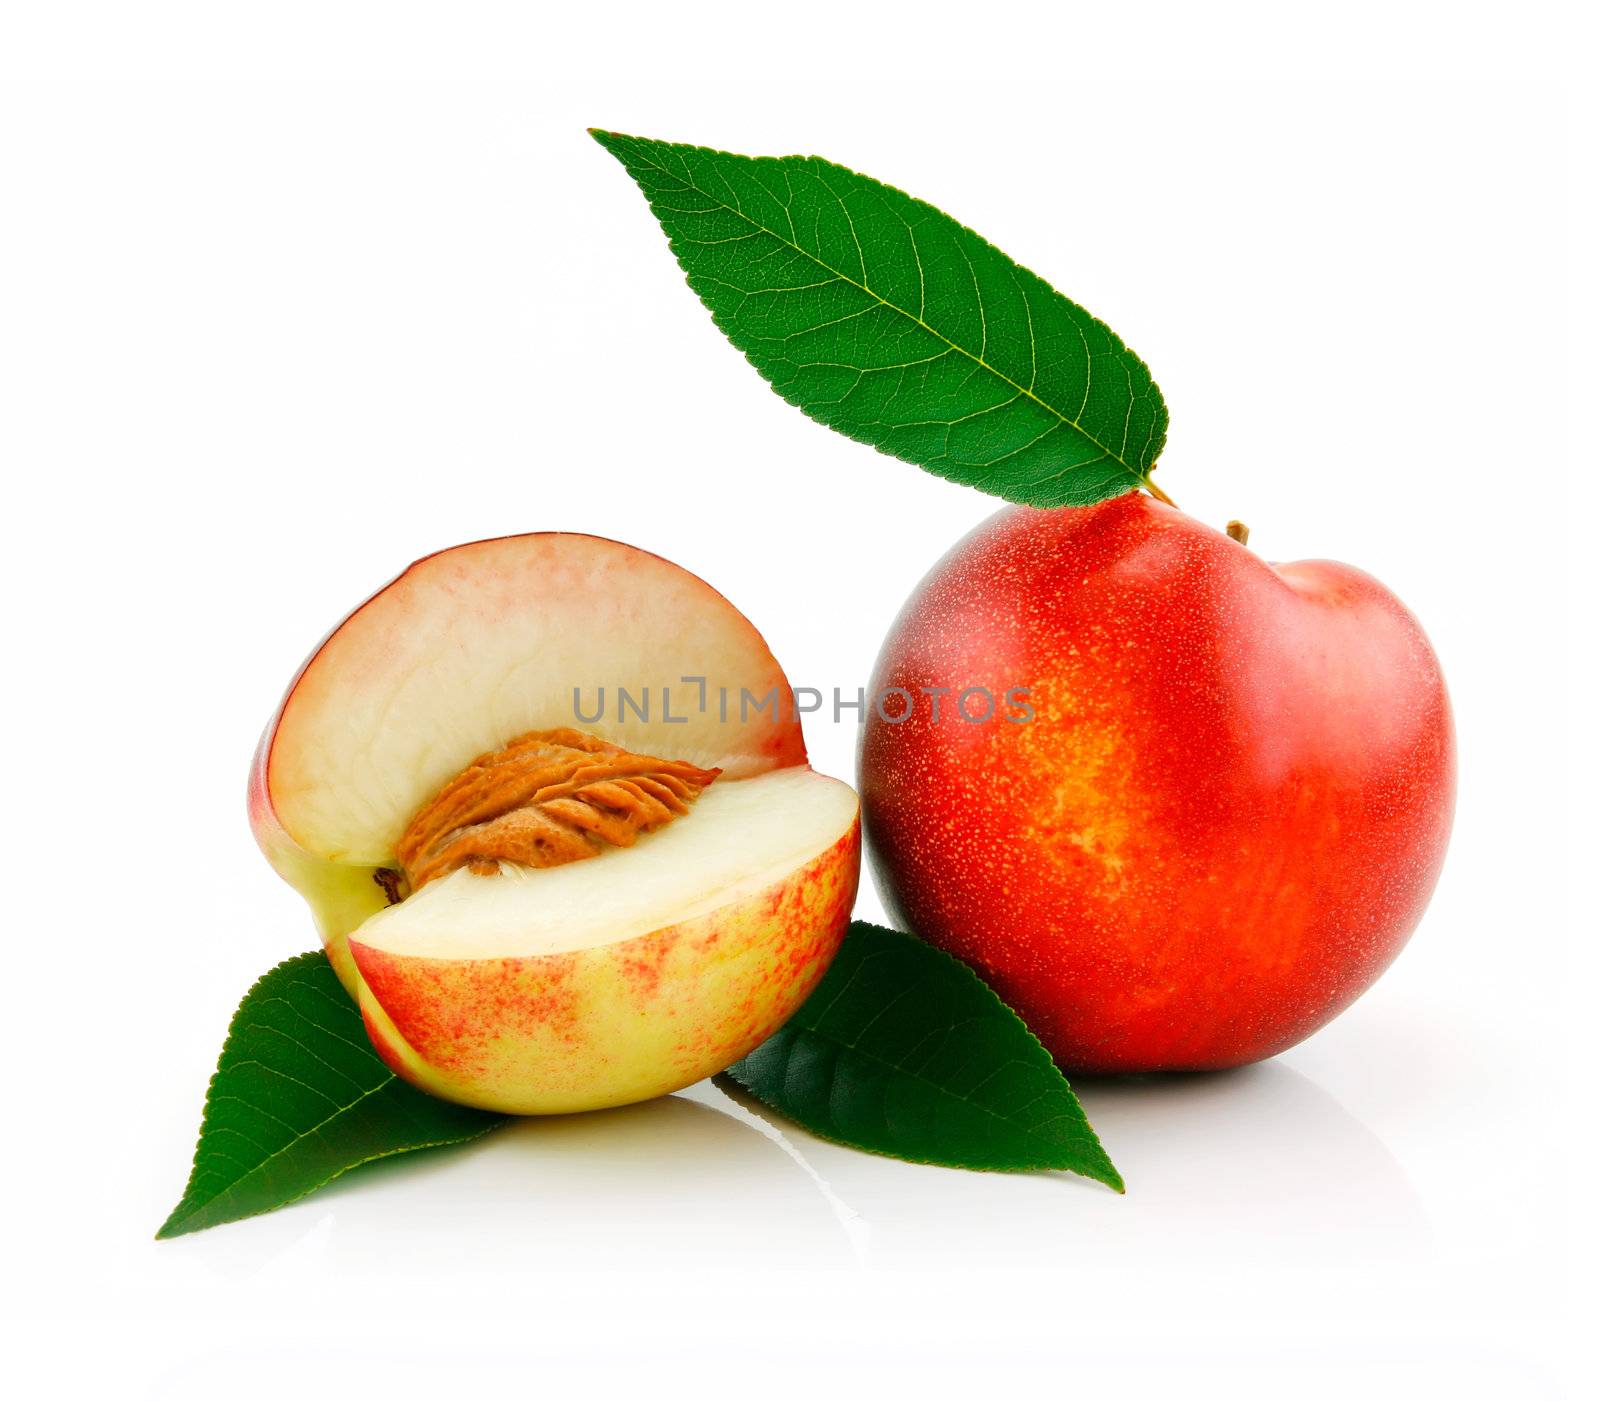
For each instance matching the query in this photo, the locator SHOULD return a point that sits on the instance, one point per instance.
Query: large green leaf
(903, 1050)
(298, 1098)
(887, 320)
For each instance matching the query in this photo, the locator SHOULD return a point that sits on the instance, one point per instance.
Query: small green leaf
(903, 1050)
(299, 1097)
(883, 318)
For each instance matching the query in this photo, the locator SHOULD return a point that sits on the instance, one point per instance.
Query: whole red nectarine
(1225, 816)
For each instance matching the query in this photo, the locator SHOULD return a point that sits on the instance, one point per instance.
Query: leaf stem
(1159, 495)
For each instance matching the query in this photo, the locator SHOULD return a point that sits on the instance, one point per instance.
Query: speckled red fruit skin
(1223, 821)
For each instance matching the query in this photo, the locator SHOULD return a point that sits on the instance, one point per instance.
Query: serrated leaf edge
(175, 1226)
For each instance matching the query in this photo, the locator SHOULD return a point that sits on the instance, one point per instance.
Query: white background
(367, 289)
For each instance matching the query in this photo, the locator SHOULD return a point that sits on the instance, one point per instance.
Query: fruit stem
(1159, 495)
(1238, 530)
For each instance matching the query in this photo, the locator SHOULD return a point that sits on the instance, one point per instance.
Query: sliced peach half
(549, 803)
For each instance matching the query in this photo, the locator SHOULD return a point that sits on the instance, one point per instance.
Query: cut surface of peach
(745, 838)
(545, 899)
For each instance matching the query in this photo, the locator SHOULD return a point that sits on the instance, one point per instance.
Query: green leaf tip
(903, 1050)
(885, 319)
(299, 1097)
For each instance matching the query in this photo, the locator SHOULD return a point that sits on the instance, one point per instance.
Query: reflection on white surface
(1246, 1165)
(1262, 1157)
(670, 1184)
(1236, 1165)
